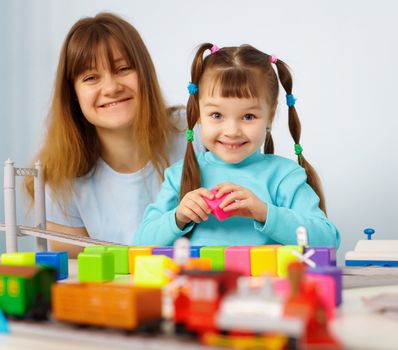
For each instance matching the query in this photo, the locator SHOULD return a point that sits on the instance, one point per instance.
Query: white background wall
(343, 55)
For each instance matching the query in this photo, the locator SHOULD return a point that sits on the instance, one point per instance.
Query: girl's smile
(232, 128)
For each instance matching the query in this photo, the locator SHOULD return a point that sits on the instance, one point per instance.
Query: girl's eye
(248, 117)
(216, 116)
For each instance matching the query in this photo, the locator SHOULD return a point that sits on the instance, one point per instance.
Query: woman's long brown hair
(71, 147)
(242, 72)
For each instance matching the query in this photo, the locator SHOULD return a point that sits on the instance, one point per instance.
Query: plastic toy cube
(19, 259)
(195, 251)
(216, 255)
(237, 258)
(214, 203)
(96, 249)
(96, 267)
(137, 251)
(201, 264)
(167, 251)
(335, 273)
(323, 256)
(264, 261)
(154, 270)
(121, 254)
(56, 260)
(285, 257)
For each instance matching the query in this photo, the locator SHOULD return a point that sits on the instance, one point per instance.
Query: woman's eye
(248, 117)
(89, 78)
(216, 116)
(124, 69)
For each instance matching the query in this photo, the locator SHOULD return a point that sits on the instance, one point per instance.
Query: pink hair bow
(214, 49)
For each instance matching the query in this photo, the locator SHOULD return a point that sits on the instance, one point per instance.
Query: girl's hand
(244, 201)
(193, 207)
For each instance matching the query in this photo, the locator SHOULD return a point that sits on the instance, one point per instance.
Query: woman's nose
(111, 84)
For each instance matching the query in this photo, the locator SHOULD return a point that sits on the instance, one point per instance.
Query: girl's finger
(197, 209)
(204, 192)
(232, 197)
(191, 215)
(226, 188)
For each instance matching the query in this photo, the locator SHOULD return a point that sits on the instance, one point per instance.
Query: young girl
(110, 135)
(234, 93)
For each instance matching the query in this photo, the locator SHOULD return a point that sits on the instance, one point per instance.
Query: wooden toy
(263, 260)
(373, 252)
(195, 251)
(56, 260)
(25, 291)
(238, 259)
(216, 255)
(137, 251)
(111, 305)
(154, 270)
(214, 203)
(96, 267)
(18, 259)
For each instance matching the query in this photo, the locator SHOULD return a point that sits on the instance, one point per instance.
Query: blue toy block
(195, 251)
(56, 260)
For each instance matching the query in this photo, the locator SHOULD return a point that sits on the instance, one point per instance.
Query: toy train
(25, 291)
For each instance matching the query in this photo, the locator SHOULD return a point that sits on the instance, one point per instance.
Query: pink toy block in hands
(214, 206)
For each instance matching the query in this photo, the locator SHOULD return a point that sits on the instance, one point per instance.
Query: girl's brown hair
(71, 147)
(242, 72)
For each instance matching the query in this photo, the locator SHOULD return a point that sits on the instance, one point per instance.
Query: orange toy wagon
(110, 305)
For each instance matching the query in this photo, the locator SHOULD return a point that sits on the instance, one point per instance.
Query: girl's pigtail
(190, 178)
(295, 130)
(269, 143)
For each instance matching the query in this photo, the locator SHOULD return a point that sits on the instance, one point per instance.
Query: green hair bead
(189, 135)
(298, 149)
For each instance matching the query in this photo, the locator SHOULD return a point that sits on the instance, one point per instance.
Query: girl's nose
(232, 129)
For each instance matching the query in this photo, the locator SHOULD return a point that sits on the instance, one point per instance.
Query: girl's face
(107, 98)
(232, 128)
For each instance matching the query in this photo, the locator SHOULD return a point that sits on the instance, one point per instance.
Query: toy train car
(25, 291)
(109, 305)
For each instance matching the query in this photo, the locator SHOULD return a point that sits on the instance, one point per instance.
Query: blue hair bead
(290, 100)
(192, 88)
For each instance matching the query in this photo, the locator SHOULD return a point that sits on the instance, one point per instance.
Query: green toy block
(19, 259)
(216, 255)
(154, 270)
(96, 249)
(96, 267)
(121, 254)
(285, 257)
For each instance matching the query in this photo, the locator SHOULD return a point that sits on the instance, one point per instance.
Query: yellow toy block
(19, 259)
(263, 260)
(285, 257)
(137, 251)
(154, 270)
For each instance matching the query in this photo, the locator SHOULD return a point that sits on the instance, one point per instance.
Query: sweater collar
(213, 159)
